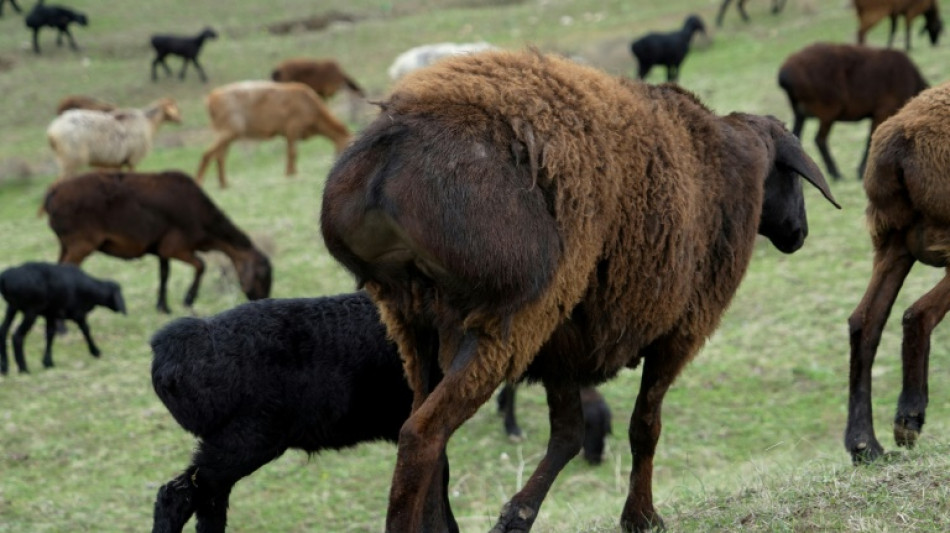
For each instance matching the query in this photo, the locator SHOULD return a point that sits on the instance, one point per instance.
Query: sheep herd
(510, 215)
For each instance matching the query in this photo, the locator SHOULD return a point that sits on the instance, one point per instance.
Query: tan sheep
(265, 109)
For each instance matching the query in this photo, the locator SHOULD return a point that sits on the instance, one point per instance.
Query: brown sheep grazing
(847, 83)
(264, 109)
(128, 215)
(520, 215)
(777, 6)
(907, 218)
(79, 101)
(870, 12)
(324, 76)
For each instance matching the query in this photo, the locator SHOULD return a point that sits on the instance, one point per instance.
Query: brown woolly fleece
(324, 76)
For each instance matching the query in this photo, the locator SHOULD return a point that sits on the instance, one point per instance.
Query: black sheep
(667, 49)
(13, 3)
(251, 382)
(187, 47)
(58, 17)
(54, 292)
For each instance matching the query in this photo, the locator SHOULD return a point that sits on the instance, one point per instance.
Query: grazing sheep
(310, 374)
(264, 109)
(847, 83)
(427, 54)
(515, 214)
(16, 7)
(128, 215)
(115, 139)
(870, 12)
(54, 292)
(58, 17)
(667, 49)
(186, 47)
(324, 76)
(907, 218)
(78, 101)
(597, 420)
(777, 6)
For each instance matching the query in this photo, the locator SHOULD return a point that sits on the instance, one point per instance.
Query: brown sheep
(847, 83)
(870, 12)
(907, 217)
(777, 6)
(264, 109)
(128, 215)
(78, 101)
(515, 214)
(324, 76)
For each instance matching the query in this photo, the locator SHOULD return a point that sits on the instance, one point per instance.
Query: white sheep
(113, 139)
(427, 54)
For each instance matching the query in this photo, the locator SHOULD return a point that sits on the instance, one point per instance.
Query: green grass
(753, 428)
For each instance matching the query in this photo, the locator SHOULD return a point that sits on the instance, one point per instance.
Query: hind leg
(506, 406)
(51, 324)
(29, 317)
(4, 330)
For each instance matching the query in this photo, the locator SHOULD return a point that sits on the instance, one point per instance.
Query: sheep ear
(788, 152)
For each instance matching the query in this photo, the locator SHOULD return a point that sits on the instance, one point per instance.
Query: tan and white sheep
(109, 139)
(261, 109)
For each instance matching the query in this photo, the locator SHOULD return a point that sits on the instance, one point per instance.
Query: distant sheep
(870, 12)
(667, 49)
(907, 217)
(324, 76)
(559, 226)
(128, 215)
(116, 139)
(16, 7)
(58, 17)
(54, 292)
(264, 109)
(777, 6)
(186, 47)
(425, 55)
(78, 101)
(250, 383)
(846, 83)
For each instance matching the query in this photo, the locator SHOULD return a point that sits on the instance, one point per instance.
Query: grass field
(753, 429)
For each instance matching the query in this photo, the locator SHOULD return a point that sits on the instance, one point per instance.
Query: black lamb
(187, 47)
(13, 3)
(251, 382)
(54, 292)
(667, 49)
(58, 17)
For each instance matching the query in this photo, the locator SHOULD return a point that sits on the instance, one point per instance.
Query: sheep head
(933, 25)
(168, 109)
(254, 272)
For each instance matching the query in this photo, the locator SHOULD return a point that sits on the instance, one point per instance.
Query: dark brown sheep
(128, 215)
(324, 76)
(907, 217)
(777, 6)
(847, 83)
(515, 214)
(870, 12)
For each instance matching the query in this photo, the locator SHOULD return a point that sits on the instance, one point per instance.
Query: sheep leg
(163, 268)
(36, 43)
(218, 151)
(777, 6)
(741, 6)
(84, 327)
(4, 330)
(184, 66)
(567, 435)
(159, 60)
(506, 405)
(29, 317)
(919, 322)
(821, 140)
(201, 71)
(189, 257)
(72, 42)
(722, 12)
(892, 263)
(659, 371)
(175, 504)
(50, 334)
(291, 155)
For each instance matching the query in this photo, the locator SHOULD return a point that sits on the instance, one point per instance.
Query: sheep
(186, 47)
(597, 420)
(128, 215)
(54, 292)
(427, 54)
(777, 6)
(907, 221)
(16, 7)
(310, 374)
(843, 82)
(78, 101)
(870, 12)
(116, 139)
(264, 109)
(521, 215)
(667, 49)
(58, 17)
(324, 76)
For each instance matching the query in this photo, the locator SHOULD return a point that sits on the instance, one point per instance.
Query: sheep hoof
(515, 518)
(864, 453)
(907, 430)
(516, 437)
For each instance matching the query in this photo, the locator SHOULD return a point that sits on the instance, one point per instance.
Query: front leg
(4, 331)
(84, 327)
(28, 319)
(163, 268)
(291, 155)
(51, 324)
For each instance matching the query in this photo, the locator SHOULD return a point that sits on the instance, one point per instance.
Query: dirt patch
(312, 23)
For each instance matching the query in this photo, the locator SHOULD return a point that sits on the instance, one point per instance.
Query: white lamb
(427, 54)
(113, 139)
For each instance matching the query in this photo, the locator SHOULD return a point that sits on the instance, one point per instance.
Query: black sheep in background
(54, 292)
(13, 3)
(58, 17)
(187, 47)
(667, 49)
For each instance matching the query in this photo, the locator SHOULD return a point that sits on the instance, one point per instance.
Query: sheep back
(325, 77)
(99, 138)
